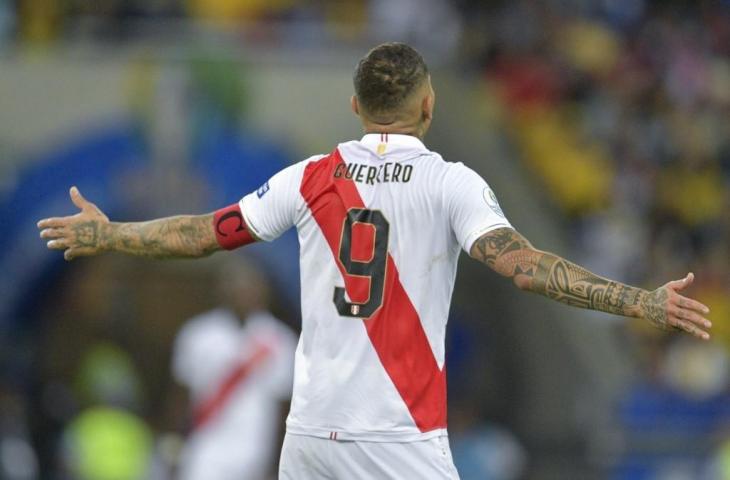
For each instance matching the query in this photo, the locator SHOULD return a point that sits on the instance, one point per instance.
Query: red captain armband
(230, 228)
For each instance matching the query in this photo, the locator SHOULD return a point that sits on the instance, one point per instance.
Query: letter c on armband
(230, 228)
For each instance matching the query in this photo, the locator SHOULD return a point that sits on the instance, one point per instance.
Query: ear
(427, 106)
(354, 105)
(429, 101)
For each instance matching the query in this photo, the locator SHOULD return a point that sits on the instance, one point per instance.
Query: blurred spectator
(107, 440)
(237, 362)
(107, 443)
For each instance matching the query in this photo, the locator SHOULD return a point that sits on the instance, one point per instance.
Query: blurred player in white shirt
(237, 362)
(381, 223)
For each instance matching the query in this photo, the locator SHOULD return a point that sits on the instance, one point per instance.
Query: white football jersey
(380, 224)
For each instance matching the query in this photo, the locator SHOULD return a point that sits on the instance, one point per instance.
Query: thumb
(678, 285)
(78, 199)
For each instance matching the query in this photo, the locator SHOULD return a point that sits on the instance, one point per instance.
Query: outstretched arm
(90, 232)
(510, 254)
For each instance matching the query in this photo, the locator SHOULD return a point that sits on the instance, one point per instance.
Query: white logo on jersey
(491, 200)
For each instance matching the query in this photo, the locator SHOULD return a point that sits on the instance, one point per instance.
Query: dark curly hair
(387, 76)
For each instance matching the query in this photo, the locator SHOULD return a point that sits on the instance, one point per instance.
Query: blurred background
(602, 125)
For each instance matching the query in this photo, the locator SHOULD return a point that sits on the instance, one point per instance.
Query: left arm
(508, 253)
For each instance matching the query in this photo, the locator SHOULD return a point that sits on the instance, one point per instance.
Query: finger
(693, 317)
(79, 199)
(52, 222)
(690, 304)
(52, 233)
(678, 285)
(692, 329)
(72, 253)
(58, 244)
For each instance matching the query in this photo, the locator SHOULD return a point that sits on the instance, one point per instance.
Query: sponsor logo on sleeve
(491, 200)
(262, 190)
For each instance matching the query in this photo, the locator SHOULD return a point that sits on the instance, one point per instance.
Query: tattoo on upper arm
(511, 255)
(505, 251)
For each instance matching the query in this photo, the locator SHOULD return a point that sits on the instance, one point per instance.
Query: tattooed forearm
(511, 255)
(173, 237)
(571, 284)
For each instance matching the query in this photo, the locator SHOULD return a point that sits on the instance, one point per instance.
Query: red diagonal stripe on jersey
(395, 329)
(209, 408)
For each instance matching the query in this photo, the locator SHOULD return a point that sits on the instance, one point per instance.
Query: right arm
(90, 232)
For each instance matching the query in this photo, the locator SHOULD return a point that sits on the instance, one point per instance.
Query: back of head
(387, 77)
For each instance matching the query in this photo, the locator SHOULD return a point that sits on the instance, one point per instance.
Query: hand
(668, 310)
(78, 235)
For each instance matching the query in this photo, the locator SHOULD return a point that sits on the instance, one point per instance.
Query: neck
(395, 128)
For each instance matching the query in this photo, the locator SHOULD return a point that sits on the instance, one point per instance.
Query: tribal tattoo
(511, 255)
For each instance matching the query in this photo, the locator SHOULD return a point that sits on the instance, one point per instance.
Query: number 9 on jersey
(367, 231)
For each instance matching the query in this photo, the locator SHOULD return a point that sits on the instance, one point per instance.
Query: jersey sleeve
(472, 206)
(276, 205)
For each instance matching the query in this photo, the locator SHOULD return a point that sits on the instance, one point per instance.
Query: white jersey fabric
(236, 375)
(381, 223)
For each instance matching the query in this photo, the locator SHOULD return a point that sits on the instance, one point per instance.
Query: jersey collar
(374, 141)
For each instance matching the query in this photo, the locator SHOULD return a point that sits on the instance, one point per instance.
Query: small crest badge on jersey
(491, 200)
(262, 190)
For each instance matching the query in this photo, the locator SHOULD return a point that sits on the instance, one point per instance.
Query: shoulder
(459, 176)
(297, 169)
(458, 169)
(351, 144)
(312, 159)
(450, 175)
